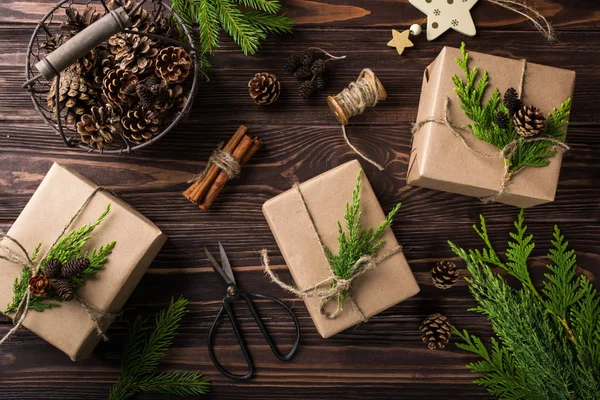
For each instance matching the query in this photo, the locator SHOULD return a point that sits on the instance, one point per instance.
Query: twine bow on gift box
(38, 283)
(340, 286)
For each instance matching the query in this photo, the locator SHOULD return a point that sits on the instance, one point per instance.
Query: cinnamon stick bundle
(204, 190)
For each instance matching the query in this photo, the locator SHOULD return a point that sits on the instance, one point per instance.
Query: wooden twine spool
(365, 92)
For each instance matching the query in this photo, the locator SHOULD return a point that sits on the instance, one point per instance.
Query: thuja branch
(548, 343)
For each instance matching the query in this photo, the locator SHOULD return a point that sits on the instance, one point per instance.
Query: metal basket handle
(85, 41)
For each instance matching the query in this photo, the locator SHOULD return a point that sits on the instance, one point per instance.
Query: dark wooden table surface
(383, 358)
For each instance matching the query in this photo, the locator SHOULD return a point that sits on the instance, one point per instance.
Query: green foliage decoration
(146, 343)
(248, 22)
(471, 91)
(547, 343)
(66, 249)
(355, 241)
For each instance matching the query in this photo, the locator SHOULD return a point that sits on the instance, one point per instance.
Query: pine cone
(74, 95)
(75, 267)
(140, 125)
(39, 285)
(52, 268)
(173, 64)
(502, 119)
(293, 62)
(321, 82)
(444, 275)
(98, 128)
(133, 52)
(512, 101)
(117, 86)
(308, 56)
(140, 21)
(264, 88)
(306, 89)
(529, 121)
(63, 289)
(436, 331)
(303, 73)
(169, 97)
(92, 65)
(318, 67)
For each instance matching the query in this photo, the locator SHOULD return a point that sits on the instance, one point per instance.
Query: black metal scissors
(234, 293)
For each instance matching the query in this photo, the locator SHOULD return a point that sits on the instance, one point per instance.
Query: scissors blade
(218, 269)
(226, 265)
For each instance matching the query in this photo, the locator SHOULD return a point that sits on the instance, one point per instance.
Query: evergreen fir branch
(144, 346)
(268, 6)
(355, 241)
(242, 32)
(179, 383)
(268, 23)
(548, 343)
(97, 258)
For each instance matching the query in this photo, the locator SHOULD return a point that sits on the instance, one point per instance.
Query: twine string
(354, 100)
(506, 153)
(222, 159)
(25, 260)
(531, 13)
(338, 286)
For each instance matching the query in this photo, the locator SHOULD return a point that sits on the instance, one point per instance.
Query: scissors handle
(227, 309)
(248, 299)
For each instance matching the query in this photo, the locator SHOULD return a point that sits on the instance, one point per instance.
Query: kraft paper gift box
(57, 199)
(326, 195)
(440, 161)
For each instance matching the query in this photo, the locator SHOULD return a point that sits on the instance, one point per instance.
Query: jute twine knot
(338, 287)
(25, 260)
(506, 153)
(222, 159)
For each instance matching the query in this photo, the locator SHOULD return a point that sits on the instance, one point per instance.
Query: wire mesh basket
(43, 69)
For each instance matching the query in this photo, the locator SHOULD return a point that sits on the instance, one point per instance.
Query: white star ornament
(445, 14)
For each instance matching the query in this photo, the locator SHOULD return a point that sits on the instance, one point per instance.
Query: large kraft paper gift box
(326, 195)
(57, 199)
(439, 160)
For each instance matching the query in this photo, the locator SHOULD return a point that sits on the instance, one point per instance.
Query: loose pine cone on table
(63, 289)
(173, 64)
(436, 331)
(74, 94)
(529, 121)
(133, 52)
(140, 125)
(264, 88)
(98, 128)
(118, 86)
(444, 275)
(39, 285)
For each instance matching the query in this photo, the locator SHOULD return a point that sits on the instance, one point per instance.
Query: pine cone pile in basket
(436, 331)
(125, 91)
(264, 88)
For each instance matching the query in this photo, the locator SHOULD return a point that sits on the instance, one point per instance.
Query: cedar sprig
(248, 22)
(66, 249)
(548, 340)
(144, 346)
(356, 241)
(470, 92)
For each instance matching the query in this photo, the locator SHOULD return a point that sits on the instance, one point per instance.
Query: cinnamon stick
(196, 192)
(243, 153)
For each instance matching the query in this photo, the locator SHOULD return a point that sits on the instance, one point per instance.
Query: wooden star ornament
(400, 40)
(445, 14)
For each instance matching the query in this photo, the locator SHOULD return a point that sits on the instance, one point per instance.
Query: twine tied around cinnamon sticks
(339, 287)
(365, 92)
(224, 164)
(506, 153)
(25, 260)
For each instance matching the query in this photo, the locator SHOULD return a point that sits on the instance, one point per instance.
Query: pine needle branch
(144, 346)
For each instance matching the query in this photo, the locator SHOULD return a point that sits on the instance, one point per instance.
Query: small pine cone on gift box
(529, 121)
(39, 285)
(512, 101)
(173, 64)
(52, 268)
(502, 119)
(264, 88)
(444, 275)
(75, 267)
(140, 125)
(436, 331)
(63, 289)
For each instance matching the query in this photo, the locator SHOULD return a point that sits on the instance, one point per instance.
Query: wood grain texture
(383, 358)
